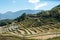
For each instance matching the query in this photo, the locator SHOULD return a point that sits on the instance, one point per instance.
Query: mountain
(27, 26)
(6, 15)
(13, 15)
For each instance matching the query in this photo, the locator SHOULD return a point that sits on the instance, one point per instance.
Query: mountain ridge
(13, 15)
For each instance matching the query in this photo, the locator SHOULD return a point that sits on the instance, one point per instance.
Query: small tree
(21, 18)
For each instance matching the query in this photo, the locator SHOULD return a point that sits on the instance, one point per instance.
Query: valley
(40, 26)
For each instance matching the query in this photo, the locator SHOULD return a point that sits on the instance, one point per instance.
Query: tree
(21, 18)
(43, 14)
(3, 23)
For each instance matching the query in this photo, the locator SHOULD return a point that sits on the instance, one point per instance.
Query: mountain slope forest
(30, 26)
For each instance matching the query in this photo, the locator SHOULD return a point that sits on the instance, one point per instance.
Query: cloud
(34, 1)
(13, 1)
(40, 5)
(26, 8)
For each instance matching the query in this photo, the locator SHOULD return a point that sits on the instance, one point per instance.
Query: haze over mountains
(13, 15)
(27, 26)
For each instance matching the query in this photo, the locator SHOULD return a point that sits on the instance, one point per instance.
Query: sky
(16, 5)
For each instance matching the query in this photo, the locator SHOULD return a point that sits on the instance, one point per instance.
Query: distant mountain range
(13, 15)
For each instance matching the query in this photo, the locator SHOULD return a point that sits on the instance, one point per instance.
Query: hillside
(33, 26)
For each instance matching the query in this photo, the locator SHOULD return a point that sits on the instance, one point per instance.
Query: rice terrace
(39, 21)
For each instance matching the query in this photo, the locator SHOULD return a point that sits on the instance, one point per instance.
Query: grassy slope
(55, 38)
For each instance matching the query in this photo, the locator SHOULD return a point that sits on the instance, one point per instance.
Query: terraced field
(29, 29)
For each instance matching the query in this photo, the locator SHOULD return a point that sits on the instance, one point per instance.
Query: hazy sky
(15, 5)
